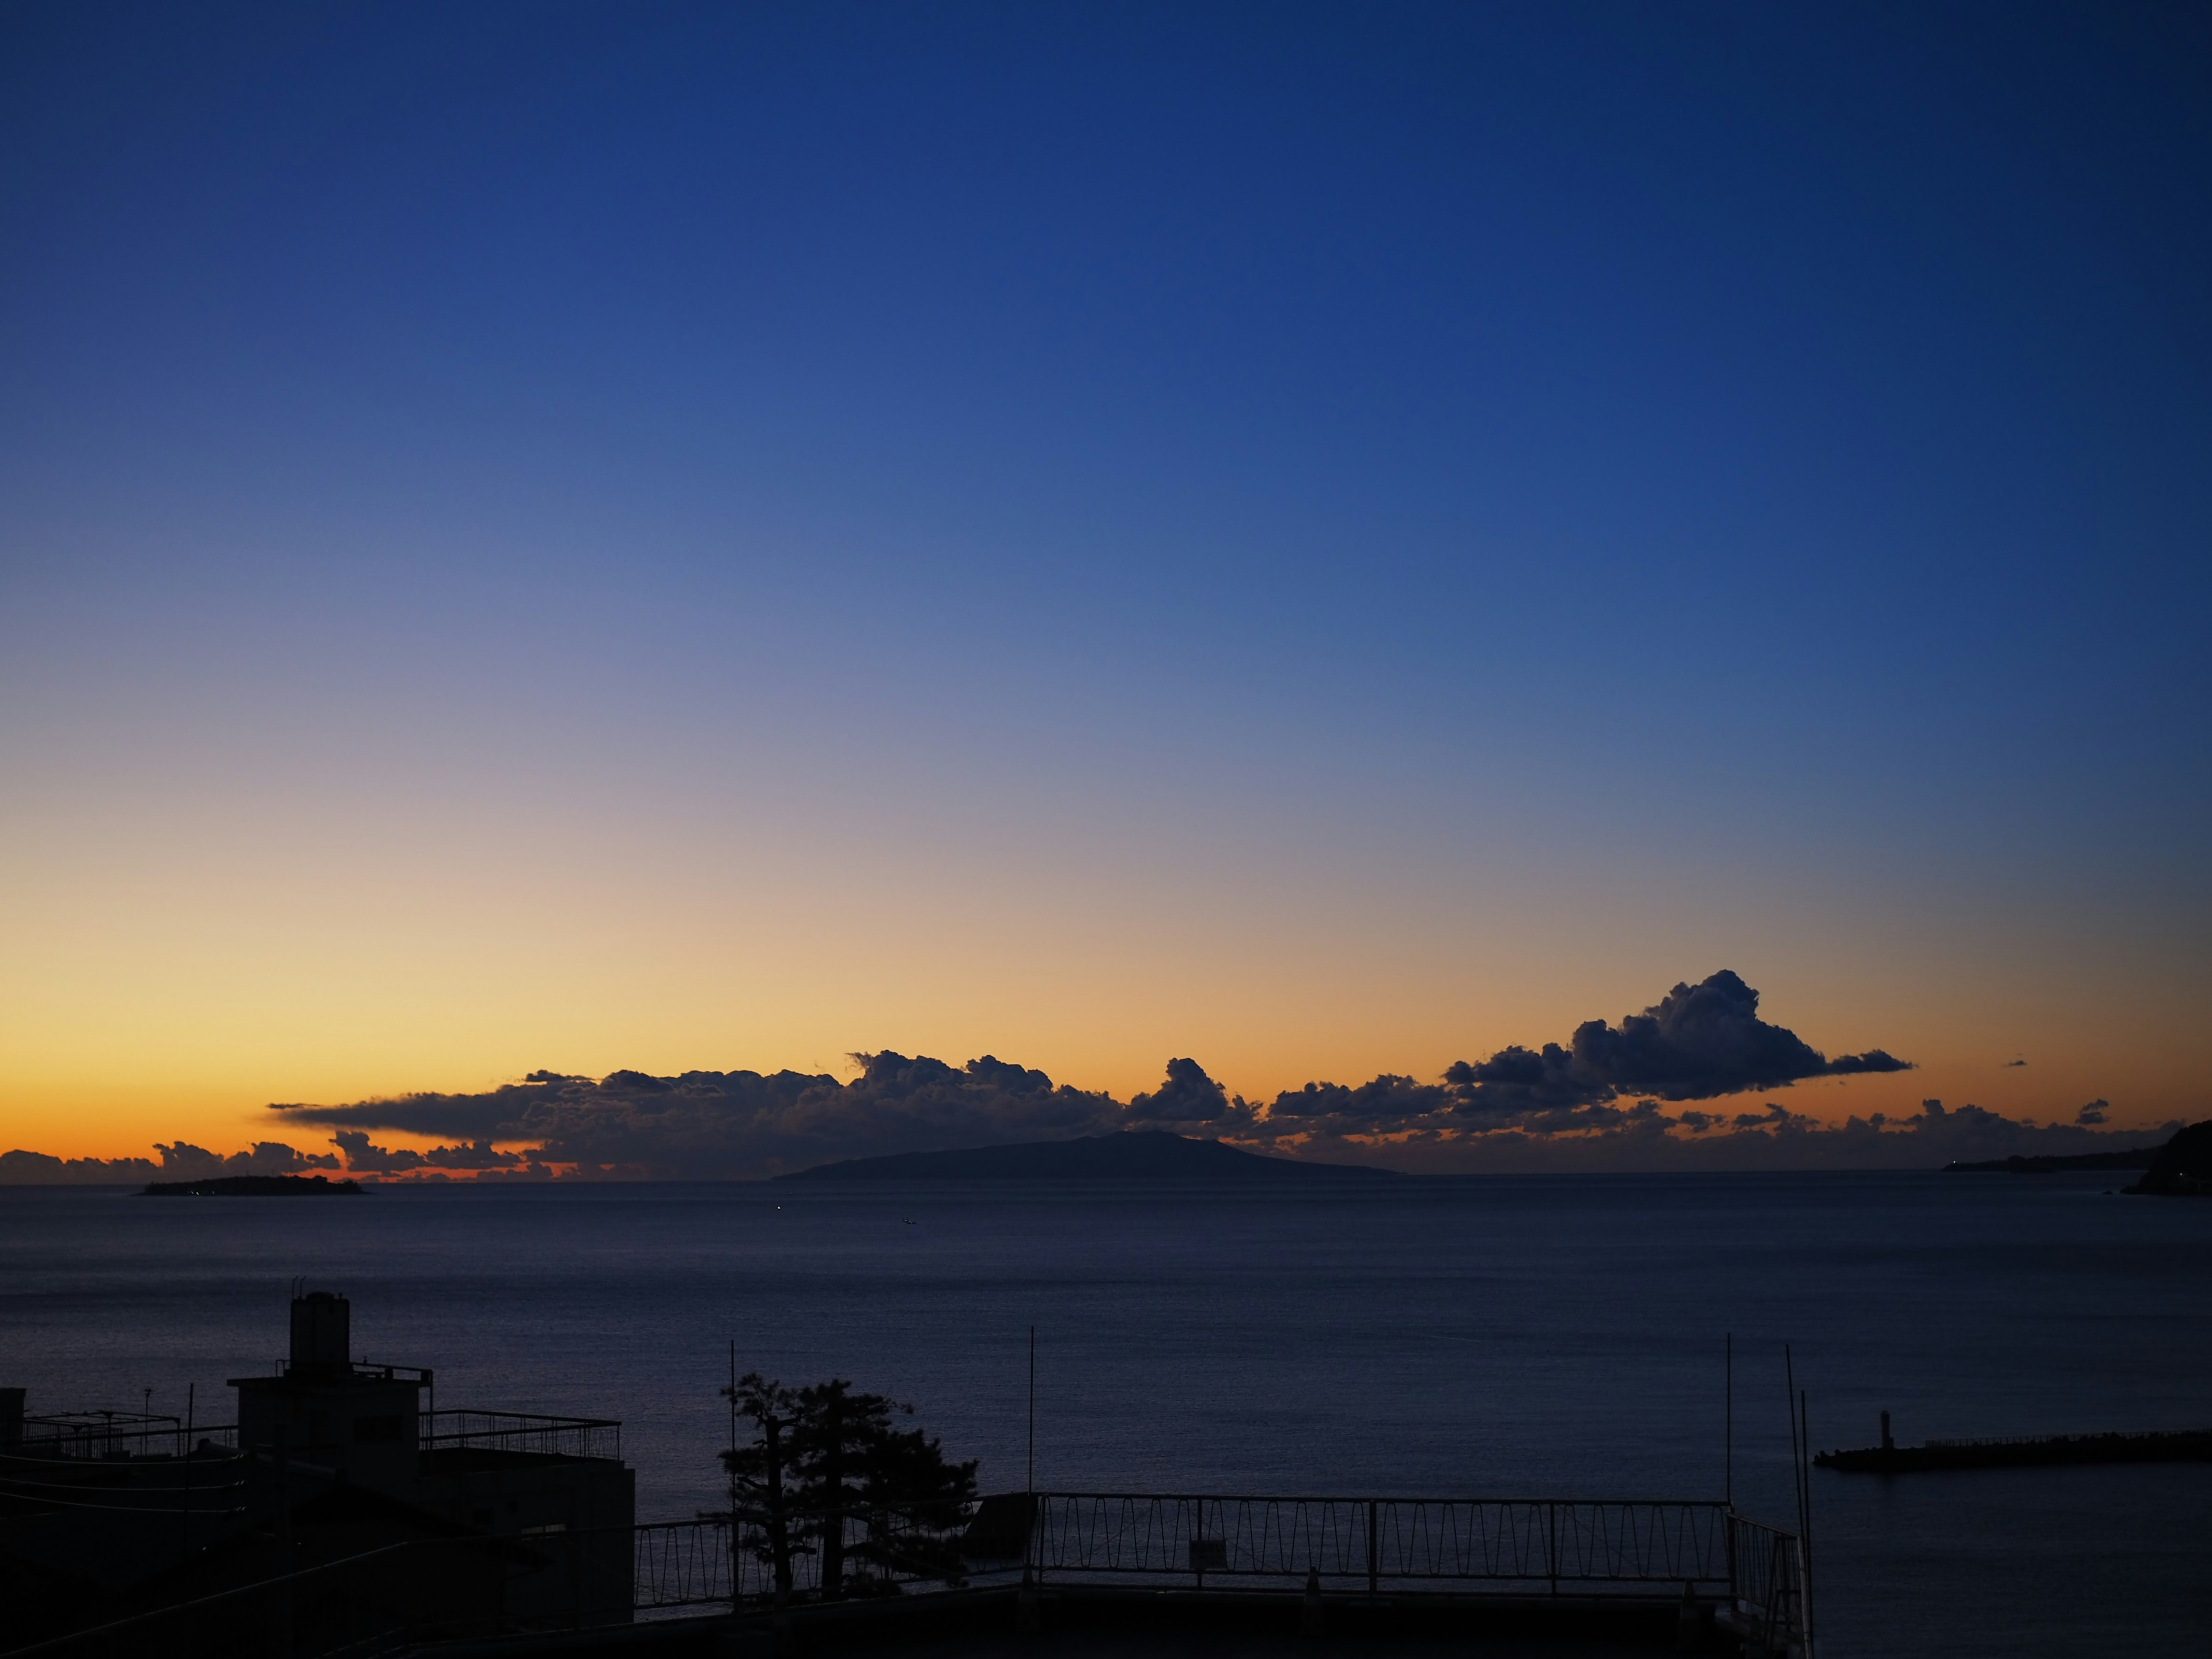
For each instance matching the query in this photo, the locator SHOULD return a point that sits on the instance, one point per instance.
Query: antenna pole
(192, 1390)
(1727, 1419)
(1031, 1486)
(1805, 1422)
(736, 1578)
(1797, 1456)
(1805, 1426)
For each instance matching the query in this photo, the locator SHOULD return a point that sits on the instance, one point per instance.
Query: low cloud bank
(1645, 1137)
(725, 1125)
(180, 1161)
(1600, 1101)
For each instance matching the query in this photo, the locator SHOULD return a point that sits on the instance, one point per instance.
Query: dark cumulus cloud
(720, 1125)
(1188, 1096)
(1697, 1043)
(180, 1161)
(364, 1158)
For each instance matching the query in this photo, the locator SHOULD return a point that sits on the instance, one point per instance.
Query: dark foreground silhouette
(253, 1186)
(2141, 1158)
(2019, 1451)
(1132, 1155)
(2183, 1167)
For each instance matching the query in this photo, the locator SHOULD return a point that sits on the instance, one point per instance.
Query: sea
(1515, 1336)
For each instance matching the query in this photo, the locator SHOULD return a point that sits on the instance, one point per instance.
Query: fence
(690, 1563)
(109, 1435)
(522, 1432)
(1770, 1594)
(686, 1563)
(1589, 1547)
(112, 1435)
(1405, 1543)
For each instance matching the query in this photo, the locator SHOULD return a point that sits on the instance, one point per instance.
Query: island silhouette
(1129, 1155)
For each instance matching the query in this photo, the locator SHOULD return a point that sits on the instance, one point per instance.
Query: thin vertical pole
(1805, 1424)
(1030, 1487)
(1728, 1457)
(735, 1553)
(282, 1645)
(1797, 1457)
(1727, 1419)
(191, 1391)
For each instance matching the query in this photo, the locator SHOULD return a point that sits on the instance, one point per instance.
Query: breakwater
(2020, 1451)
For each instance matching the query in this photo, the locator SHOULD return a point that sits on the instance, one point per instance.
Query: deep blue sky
(1566, 497)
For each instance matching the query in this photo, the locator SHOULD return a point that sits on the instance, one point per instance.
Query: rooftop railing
(1548, 1547)
(115, 1435)
(1372, 1541)
(522, 1432)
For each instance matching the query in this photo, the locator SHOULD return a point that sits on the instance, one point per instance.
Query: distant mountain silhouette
(2184, 1165)
(1131, 1155)
(2052, 1162)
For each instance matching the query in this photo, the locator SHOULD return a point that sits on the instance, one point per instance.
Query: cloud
(723, 1125)
(362, 1158)
(1611, 1097)
(180, 1161)
(1388, 1099)
(1187, 1096)
(1646, 1138)
(1697, 1043)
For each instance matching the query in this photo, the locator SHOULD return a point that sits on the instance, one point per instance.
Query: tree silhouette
(760, 1475)
(829, 1470)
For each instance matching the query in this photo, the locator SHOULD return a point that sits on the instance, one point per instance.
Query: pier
(2023, 1451)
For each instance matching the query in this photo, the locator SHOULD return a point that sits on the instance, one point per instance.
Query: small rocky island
(254, 1187)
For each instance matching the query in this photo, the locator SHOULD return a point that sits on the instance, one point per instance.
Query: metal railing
(1769, 1601)
(2148, 1436)
(1590, 1546)
(116, 1434)
(1371, 1541)
(522, 1432)
(686, 1563)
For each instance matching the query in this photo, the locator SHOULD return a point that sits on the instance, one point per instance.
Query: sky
(1326, 541)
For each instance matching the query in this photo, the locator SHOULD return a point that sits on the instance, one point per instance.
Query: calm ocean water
(1523, 1336)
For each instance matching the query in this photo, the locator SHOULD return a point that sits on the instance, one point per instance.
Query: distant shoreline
(1139, 1154)
(2141, 1158)
(255, 1187)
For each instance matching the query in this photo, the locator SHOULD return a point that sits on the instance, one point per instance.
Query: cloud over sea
(1612, 1097)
